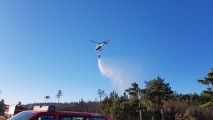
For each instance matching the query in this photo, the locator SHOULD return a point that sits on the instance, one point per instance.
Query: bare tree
(46, 98)
(101, 93)
(59, 94)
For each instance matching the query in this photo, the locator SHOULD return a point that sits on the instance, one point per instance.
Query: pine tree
(208, 80)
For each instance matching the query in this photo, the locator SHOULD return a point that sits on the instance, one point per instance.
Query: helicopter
(100, 45)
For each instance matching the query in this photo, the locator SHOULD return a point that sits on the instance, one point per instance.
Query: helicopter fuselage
(99, 46)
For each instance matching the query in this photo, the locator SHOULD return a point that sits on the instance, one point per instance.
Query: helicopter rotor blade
(93, 41)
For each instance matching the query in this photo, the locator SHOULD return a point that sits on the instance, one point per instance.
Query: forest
(157, 101)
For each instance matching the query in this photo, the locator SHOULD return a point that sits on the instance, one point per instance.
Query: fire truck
(11, 110)
(50, 113)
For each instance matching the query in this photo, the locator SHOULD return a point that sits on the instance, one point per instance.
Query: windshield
(22, 116)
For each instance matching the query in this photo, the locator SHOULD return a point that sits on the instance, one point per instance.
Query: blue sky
(44, 46)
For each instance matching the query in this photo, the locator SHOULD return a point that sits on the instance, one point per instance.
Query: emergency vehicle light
(95, 114)
(41, 108)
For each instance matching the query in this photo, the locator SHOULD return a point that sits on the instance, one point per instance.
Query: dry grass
(2, 118)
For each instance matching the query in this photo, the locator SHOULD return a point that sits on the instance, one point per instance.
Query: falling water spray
(119, 81)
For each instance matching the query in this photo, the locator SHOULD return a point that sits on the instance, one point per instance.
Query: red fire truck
(11, 110)
(49, 113)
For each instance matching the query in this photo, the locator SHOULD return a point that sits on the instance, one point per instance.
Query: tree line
(157, 101)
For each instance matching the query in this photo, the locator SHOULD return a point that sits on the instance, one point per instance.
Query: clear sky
(44, 46)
